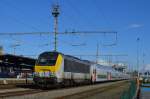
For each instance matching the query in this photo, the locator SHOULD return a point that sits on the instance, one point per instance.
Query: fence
(130, 93)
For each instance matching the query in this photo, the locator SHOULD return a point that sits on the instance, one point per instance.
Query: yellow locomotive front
(46, 68)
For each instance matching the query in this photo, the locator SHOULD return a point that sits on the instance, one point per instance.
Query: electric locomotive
(57, 68)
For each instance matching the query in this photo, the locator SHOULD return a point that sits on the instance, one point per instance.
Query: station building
(13, 65)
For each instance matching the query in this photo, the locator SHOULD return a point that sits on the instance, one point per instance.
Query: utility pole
(55, 13)
(138, 39)
(14, 47)
(1, 50)
(143, 62)
(97, 53)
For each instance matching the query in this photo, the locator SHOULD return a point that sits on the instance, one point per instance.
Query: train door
(93, 74)
(108, 75)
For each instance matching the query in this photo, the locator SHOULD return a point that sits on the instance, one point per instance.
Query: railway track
(12, 86)
(29, 90)
(7, 91)
(16, 92)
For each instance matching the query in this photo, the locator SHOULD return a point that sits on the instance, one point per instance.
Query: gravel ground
(114, 93)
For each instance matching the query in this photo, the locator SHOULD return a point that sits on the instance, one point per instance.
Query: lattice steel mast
(55, 13)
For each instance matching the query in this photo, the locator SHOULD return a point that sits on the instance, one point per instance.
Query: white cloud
(147, 67)
(135, 25)
(103, 62)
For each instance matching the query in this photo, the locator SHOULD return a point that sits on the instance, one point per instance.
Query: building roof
(17, 60)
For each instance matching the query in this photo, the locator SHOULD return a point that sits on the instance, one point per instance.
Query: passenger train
(55, 68)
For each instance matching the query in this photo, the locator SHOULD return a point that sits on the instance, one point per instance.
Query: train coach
(54, 68)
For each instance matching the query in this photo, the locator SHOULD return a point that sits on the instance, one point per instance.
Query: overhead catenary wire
(102, 55)
(67, 32)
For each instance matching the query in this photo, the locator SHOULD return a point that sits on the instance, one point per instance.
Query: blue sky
(130, 18)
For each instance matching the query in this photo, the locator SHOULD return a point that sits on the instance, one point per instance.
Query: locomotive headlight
(41, 74)
(52, 74)
(47, 74)
(36, 74)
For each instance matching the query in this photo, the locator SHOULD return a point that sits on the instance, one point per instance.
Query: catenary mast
(55, 13)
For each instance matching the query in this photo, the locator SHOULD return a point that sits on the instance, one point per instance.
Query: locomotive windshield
(47, 59)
